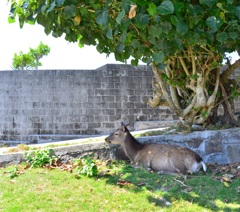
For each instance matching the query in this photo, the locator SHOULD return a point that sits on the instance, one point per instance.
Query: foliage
(41, 157)
(31, 59)
(86, 165)
(13, 172)
(158, 29)
(22, 61)
(184, 41)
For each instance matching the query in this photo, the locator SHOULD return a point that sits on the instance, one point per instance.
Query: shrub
(86, 165)
(41, 157)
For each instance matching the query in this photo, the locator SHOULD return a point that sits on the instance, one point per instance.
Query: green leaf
(155, 31)
(174, 20)
(59, 2)
(182, 27)
(134, 62)
(120, 16)
(69, 11)
(142, 20)
(177, 43)
(152, 9)
(233, 35)
(120, 47)
(47, 30)
(52, 5)
(208, 2)
(109, 34)
(238, 11)
(135, 43)
(222, 36)
(166, 27)
(125, 23)
(11, 20)
(102, 18)
(214, 23)
(165, 8)
(123, 37)
(158, 57)
(195, 9)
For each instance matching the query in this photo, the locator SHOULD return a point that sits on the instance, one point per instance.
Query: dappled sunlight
(224, 205)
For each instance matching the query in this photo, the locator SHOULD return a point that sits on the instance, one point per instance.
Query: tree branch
(184, 66)
(230, 70)
(212, 98)
(190, 107)
(164, 90)
(194, 68)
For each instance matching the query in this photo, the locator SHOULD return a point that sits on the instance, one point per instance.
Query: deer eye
(116, 134)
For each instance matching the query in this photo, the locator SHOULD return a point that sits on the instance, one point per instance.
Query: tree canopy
(185, 42)
(30, 60)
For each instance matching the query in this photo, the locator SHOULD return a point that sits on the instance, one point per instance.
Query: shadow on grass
(195, 191)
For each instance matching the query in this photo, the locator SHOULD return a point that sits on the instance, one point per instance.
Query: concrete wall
(74, 102)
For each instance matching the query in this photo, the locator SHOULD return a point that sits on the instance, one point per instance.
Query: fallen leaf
(186, 190)
(227, 178)
(226, 184)
(104, 172)
(123, 182)
(66, 167)
(141, 184)
(27, 166)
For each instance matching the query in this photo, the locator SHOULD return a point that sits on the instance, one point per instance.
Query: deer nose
(107, 140)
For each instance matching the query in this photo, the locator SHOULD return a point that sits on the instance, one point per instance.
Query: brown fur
(166, 159)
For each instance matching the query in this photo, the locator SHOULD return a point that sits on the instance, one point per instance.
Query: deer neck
(131, 147)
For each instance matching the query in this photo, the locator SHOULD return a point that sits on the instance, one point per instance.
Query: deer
(162, 158)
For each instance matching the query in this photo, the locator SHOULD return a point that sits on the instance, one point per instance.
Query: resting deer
(163, 158)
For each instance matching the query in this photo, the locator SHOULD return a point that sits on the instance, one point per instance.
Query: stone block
(233, 152)
(214, 145)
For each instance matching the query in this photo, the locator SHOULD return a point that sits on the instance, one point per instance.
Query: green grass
(117, 187)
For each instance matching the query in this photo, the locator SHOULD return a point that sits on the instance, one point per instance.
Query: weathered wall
(74, 102)
(221, 147)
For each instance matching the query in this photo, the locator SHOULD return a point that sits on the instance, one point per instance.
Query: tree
(184, 41)
(31, 59)
(22, 61)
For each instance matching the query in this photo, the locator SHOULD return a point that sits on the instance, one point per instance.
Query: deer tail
(204, 166)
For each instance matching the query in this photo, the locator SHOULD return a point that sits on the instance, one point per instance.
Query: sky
(63, 55)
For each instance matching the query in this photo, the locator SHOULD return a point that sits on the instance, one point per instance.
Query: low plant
(86, 165)
(13, 172)
(41, 157)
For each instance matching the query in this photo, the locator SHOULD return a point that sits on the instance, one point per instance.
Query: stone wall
(221, 147)
(66, 104)
(74, 102)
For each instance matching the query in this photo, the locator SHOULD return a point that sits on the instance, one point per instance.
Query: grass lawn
(117, 187)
